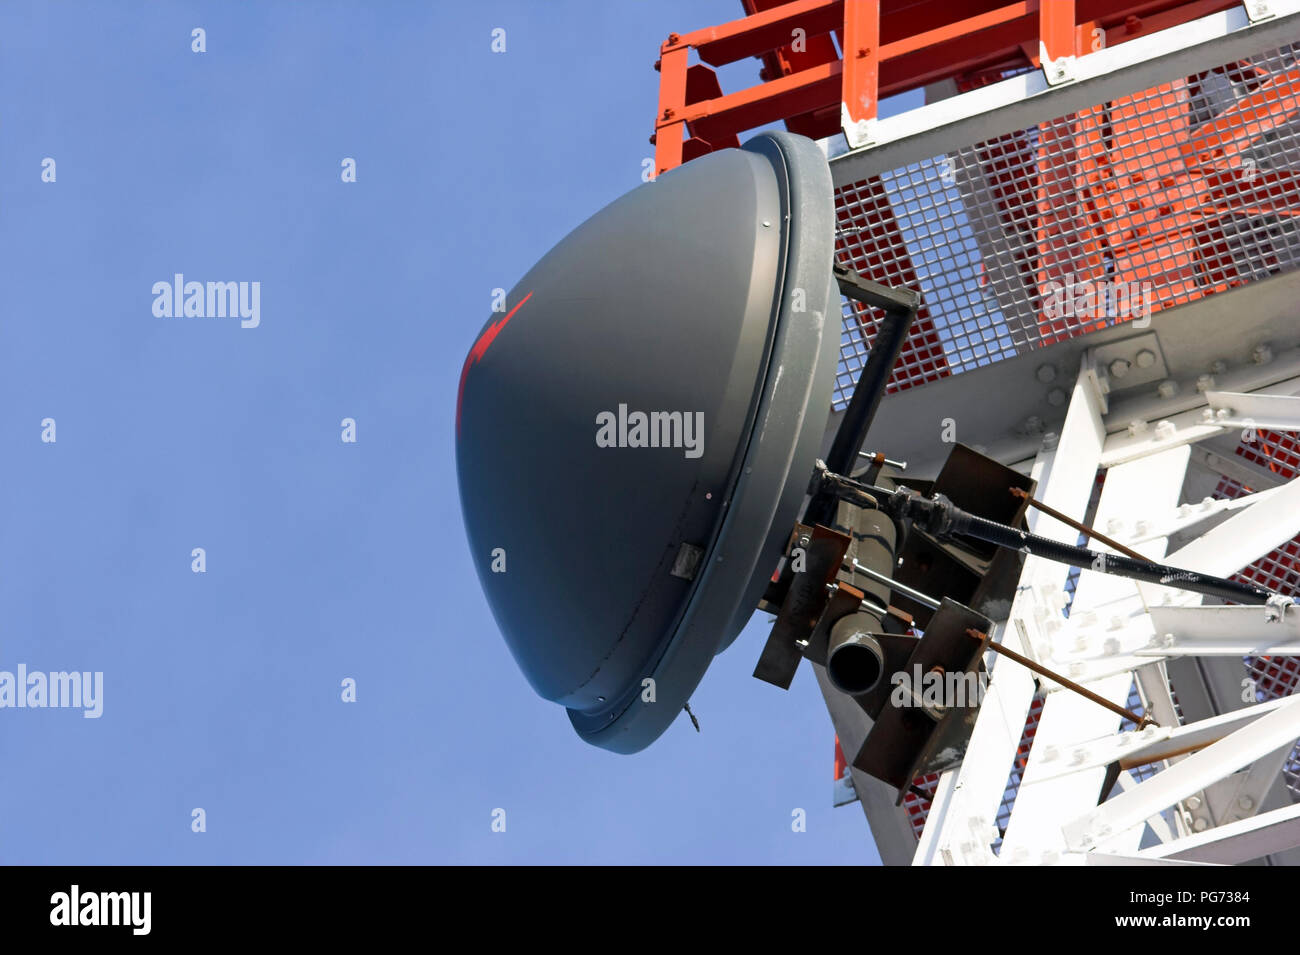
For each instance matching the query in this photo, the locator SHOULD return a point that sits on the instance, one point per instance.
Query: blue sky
(325, 560)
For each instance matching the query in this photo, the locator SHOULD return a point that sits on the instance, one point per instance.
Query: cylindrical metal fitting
(855, 661)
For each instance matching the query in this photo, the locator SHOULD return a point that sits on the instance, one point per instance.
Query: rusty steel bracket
(912, 735)
(823, 552)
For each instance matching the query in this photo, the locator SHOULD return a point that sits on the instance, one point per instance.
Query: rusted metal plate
(805, 601)
(911, 736)
(845, 600)
(971, 572)
(898, 649)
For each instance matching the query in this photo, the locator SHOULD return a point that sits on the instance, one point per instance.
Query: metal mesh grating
(918, 806)
(1101, 216)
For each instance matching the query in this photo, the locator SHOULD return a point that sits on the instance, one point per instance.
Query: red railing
(827, 63)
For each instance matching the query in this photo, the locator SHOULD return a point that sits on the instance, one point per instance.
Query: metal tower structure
(1098, 205)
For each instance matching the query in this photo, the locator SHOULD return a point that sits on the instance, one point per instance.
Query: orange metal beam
(913, 54)
(1237, 127)
(1056, 28)
(860, 90)
(761, 104)
(1011, 13)
(768, 30)
(670, 128)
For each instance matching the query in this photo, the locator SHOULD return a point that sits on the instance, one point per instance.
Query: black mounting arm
(900, 306)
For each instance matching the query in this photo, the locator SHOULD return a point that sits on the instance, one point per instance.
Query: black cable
(971, 525)
(941, 518)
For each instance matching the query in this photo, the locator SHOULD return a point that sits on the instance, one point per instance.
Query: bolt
(1245, 802)
(1046, 373)
(1056, 397)
(1146, 358)
(1136, 428)
(1263, 354)
(1167, 388)
(673, 38)
(1205, 382)
(1193, 802)
(659, 65)
(1033, 424)
(1201, 824)
(1165, 429)
(1050, 440)
(1218, 366)
(864, 52)
(668, 113)
(1119, 367)
(653, 139)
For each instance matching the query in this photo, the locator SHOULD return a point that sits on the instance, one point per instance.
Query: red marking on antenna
(479, 350)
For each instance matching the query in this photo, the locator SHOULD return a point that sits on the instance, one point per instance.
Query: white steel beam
(1244, 537)
(966, 801)
(1069, 720)
(1221, 631)
(1243, 795)
(1275, 412)
(1152, 744)
(1237, 842)
(1182, 779)
(1175, 431)
(1187, 515)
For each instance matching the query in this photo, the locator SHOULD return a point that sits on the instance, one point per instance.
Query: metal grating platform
(1097, 217)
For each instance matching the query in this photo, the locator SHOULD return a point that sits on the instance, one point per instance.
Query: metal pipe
(923, 599)
(885, 349)
(855, 661)
(1137, 719)
(900, 306)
